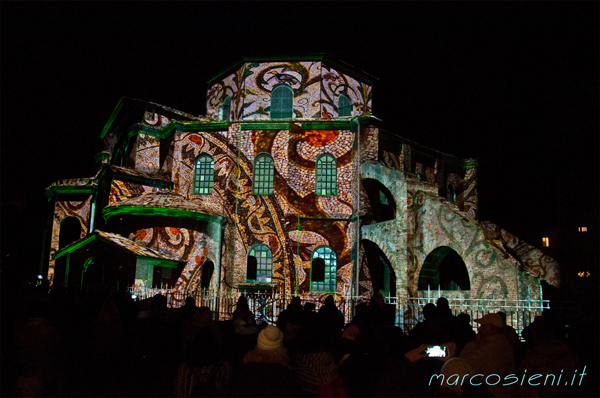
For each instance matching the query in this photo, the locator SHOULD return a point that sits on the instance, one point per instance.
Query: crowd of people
(61, 345)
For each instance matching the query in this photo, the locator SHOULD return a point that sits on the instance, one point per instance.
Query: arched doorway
(383, 278)
(206, 275)
(92, 274)
(444, 269)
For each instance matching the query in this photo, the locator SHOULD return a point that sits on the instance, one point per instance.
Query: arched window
(224, 112)
(259, 266)
(344, 107)
(326, 175)
(282, 102)
(204, 175)
(70, 231)
(207, 272)
(263, 174)
(323, 270)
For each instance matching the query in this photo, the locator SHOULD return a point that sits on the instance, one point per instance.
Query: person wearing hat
(266, 371)
(491, 354)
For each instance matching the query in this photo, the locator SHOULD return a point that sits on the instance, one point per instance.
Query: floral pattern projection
(317, 89)
(290, 222)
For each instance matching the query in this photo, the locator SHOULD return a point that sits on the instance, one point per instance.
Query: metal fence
(266, 306)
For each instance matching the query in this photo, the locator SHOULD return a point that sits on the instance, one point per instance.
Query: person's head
(463, 317)
(503, 316)
(489, 325)
(329, 300)
(309, 307)
(190, 301)
(377, 300)
(429, 310)
(270, 339)
(242, 303)
(442, 303)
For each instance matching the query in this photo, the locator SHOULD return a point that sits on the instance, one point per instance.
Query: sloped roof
(165, 203)
(116, 240)
(139, 174)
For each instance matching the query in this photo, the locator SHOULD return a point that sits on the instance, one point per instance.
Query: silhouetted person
(429, 330)
(490, 353)
(291, 319)
(330, 321)
(446, 319)
(243, 318)
(464, 331)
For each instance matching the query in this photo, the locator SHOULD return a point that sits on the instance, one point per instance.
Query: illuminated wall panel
(316, 90)
(80, 210)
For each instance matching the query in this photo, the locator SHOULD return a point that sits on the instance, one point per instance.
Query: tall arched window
(259, 265)
(263, 174)
(70, 231)
(204, 175)
(344, 107)
(282, 102)
(326, 175)
(323, 270)
(224, 112)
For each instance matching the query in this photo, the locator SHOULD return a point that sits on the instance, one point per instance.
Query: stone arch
(383, 203)
(445, 269)
(382, 274)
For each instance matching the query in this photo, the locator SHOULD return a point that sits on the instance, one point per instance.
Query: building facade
(288, 185)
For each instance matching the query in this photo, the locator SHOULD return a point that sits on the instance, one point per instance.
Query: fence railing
(267, 306)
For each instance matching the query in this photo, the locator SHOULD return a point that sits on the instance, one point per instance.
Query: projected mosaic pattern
(317, 89)
(294, 210)
(192, 246)
(80, 210)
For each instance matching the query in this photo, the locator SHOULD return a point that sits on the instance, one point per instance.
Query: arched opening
(326, 175)
(264, 171)
(204, 175)
(206, 275)
(259, 264)
(282, 102)
(92, 274)
(323, 270)
(70, 231)
(344, 106)
(225, 110)
(383, 277)
(444, 269)
(381, 199)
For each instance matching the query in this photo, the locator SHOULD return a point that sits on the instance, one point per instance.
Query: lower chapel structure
(287, 185)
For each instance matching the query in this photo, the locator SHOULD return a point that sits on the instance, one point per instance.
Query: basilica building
(288, 185)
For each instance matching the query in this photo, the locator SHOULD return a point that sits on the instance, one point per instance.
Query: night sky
(512, 84)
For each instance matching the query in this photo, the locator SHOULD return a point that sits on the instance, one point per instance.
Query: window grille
(282, 102)
(204, 175)
(323, 270)
(263, 175)
(259, 264)
(326, 175)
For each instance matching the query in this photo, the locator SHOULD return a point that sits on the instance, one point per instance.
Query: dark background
(512, 84)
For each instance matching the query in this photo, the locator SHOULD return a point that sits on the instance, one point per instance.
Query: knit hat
(270, 338)
(491, 319)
